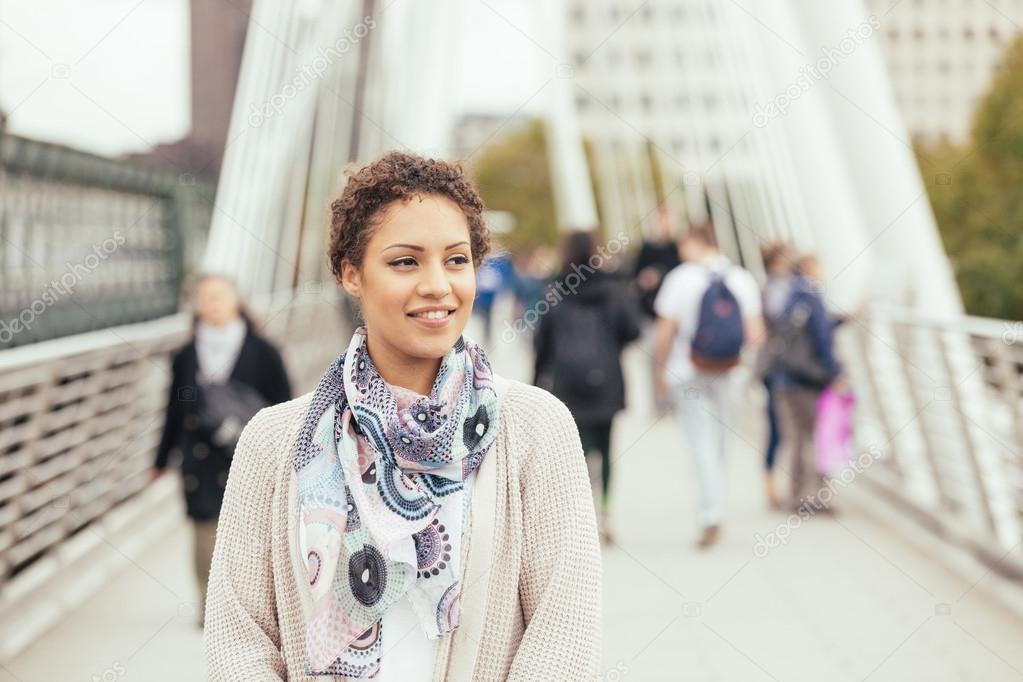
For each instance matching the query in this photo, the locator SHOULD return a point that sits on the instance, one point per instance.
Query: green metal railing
(88, 242)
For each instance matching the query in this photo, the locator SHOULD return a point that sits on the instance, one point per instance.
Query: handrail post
(965, 426)
(899, 331)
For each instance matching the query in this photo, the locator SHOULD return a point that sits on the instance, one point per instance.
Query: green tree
(975, 193)
(513, 174)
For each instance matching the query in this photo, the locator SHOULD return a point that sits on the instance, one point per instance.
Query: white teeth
(433, 315)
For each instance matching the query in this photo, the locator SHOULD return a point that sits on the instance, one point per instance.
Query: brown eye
(408, 261)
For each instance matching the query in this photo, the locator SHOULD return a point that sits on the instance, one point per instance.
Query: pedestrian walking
(707, 310)
(806, 366)
(578, 345)
(418, 516)
(495, 275)
(657, 256)
(779, 262)
(224, 375)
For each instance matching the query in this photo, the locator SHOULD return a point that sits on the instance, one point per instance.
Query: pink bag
(833, 432)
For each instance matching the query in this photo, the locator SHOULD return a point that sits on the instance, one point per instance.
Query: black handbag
(225, 409)
(790, 349)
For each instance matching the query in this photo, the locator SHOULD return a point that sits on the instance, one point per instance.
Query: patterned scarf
(381, 475)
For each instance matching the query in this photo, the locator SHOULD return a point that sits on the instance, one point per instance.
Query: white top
(679, 300)
(217, 349)
(408, 655)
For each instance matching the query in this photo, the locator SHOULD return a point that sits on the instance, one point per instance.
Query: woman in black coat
(220, 378)
(579, 344)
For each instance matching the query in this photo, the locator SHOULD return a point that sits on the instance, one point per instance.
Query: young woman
(226, 363)
(417, 517)
(579, 346)
(797, 391)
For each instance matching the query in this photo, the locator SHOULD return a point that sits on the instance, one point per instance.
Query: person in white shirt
(702, 395)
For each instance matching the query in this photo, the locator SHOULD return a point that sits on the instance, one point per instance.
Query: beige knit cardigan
(532, 578)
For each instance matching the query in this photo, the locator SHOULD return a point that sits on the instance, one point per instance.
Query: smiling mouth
(433, 315)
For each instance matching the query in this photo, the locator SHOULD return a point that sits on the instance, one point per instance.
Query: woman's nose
(434, 282)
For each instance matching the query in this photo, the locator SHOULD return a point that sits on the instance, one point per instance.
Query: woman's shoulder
(532, 411)
(541, 434)
(272, 429)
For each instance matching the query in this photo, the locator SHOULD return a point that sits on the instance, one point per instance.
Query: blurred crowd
(707, 325)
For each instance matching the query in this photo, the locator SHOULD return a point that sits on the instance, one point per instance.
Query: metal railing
(88, 242)
(939, 419)
(80, 418)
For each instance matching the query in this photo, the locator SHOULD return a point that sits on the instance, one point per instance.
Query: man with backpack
(708, 309)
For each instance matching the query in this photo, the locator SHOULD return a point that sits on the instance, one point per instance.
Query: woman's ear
(351, 280)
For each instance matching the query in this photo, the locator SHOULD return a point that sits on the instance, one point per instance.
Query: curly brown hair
(399, 176)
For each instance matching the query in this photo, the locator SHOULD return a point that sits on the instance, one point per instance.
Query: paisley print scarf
(381, 475)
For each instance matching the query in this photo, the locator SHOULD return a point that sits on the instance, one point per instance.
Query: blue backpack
(717, 343)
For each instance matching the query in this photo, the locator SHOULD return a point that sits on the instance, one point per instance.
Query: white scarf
(217, 348)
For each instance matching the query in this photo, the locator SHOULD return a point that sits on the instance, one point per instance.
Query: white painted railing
(939, 413)
(81, 416)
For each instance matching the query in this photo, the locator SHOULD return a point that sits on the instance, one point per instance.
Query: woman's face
(417, 281)
(216, 302)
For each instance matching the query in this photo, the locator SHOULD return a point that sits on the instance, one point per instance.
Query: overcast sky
(111, 76)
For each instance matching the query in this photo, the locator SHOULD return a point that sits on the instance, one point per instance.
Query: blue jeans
(774, 430)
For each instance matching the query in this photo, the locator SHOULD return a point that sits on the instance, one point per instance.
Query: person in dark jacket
(796, 395)
(657, 257)
(578, 346)
(224, 351)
